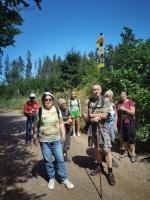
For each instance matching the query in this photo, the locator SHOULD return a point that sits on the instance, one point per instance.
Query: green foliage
(143, 134)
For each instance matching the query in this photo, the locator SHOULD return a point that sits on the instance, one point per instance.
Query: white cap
(32, 95)
(50, 94)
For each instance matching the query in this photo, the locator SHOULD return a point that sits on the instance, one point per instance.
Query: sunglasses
(48, 99)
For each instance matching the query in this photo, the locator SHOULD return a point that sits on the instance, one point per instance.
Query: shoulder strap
(102, 101)
(40, 113)
(89, 105)
(57, 110)
(78, 102)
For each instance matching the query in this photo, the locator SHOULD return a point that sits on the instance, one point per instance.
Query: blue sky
(62, 24)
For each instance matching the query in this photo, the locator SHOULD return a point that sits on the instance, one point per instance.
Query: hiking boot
(68, 184)
(133, 159)
(51, 184)
(111, 179)
(66, 159)
(114, 164)
(125, 154)
(96, 171)
(74, 135)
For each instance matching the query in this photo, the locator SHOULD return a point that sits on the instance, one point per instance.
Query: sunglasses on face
(48, 99)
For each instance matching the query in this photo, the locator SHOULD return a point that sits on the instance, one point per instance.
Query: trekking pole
(120, 135)
(99, 159)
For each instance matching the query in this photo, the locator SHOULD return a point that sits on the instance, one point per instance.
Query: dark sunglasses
(48, 99)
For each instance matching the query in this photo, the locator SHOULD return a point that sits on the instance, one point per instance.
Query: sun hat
(49, 94)
(32, 95)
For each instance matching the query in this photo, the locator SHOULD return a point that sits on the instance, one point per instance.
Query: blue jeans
(30, 120)
(49, 148)
(112, 132)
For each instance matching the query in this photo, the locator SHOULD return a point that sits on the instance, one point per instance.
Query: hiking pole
(120, 135)
(99, 159)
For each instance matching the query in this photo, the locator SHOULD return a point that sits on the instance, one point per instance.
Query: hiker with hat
(30, 108)
(67, 122)
(49, 131)
(74, 106)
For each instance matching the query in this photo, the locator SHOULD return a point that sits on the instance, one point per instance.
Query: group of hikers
(53, 126)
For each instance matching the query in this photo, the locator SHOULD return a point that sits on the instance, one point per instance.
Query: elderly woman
(74, 106)
(125, 110)
(67, 122)
(112, 121)
(48, 124)
(113, 115)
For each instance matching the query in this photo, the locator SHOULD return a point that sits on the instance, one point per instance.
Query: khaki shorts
(106, 146)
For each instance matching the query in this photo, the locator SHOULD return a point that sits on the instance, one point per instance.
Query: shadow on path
(15, 159)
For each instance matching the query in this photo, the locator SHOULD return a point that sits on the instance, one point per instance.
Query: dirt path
(23, 175)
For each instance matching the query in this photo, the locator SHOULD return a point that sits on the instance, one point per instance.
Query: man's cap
(32, 95)
(61, 101)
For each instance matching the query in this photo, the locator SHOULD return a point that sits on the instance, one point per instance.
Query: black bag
(133, 123)
(134, 126)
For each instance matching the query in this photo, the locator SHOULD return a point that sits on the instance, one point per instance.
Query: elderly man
(95, 113)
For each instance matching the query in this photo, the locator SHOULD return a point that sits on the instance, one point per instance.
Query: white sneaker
(78, 134)
(68, 184)
(51, 184)
(74, 135)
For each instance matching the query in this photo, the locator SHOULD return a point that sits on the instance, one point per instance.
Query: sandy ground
(23, 175)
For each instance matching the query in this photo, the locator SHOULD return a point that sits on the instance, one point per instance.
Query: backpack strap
(57, 110)
(40, 114)
(78, 102)
(102, 101)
